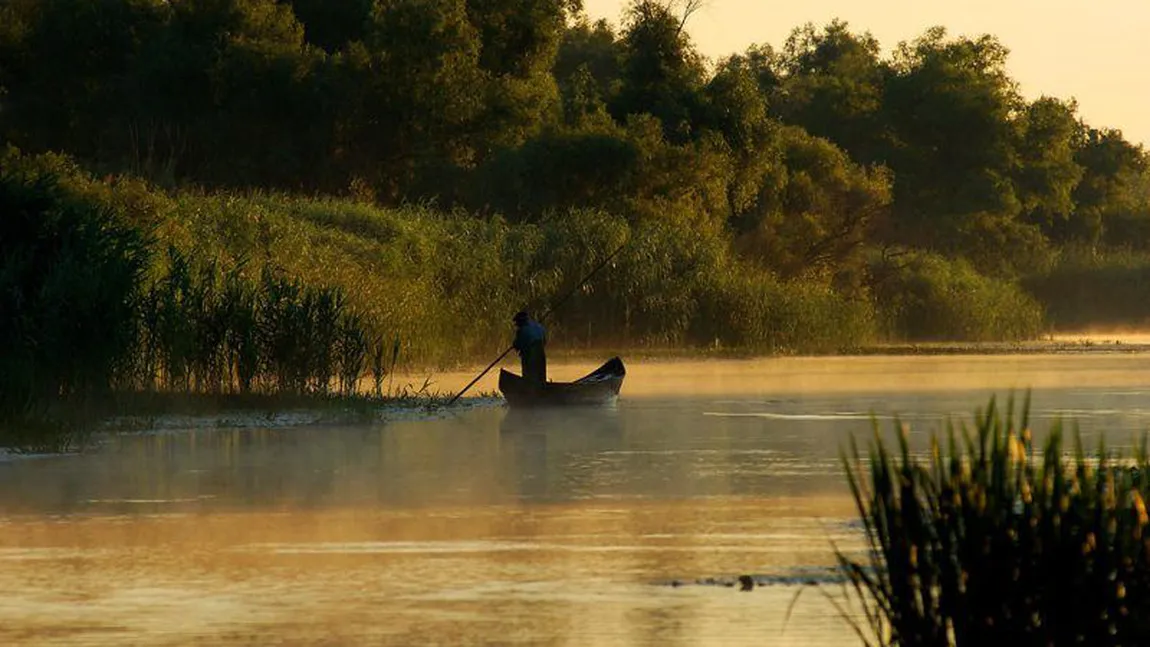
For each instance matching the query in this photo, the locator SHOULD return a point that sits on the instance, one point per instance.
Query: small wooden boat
(597, 388)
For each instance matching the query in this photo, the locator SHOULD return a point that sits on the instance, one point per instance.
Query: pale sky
(1096, 51)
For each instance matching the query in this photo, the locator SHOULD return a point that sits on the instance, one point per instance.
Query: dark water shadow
(547, 452)
(592, 420)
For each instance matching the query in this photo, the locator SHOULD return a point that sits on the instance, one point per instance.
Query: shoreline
(197, 412)
(288, 412)
(1138, 342)
(174, 412)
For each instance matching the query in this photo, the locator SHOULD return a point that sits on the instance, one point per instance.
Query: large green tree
(736, 108)
(519, 42)
(662, 73)
(230, 90)
(520, 37)
(833, 87)
(333, 25)
(201, 89)
(815, 212)
(67, 65)
(413, 95)
(950, 105)
(1111, 201)
(587, 68)
(1047, 171)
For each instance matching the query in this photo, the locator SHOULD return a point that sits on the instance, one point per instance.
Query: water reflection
(552, 453)
(488, 525)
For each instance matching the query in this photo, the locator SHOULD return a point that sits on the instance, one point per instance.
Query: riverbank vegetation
(992, 538)
(293, 194)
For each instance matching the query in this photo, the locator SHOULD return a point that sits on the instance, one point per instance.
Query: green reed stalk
(205, 330)
(378, 367)
(983, 543)
(351, 349)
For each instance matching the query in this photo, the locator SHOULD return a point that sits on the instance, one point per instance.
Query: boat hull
(598, 388)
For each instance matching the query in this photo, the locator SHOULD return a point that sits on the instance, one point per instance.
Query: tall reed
(985, 543)
(208, 330)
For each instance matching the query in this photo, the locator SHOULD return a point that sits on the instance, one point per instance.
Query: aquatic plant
(351, 348)
(756, 311)
(206, 330)
(983, 542)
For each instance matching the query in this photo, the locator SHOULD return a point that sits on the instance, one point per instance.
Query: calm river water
(486, 527)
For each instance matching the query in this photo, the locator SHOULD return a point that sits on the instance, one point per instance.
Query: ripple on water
(707, 544)
(51, 554)
(196, 499)
(771, 415)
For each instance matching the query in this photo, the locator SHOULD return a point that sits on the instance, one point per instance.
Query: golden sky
(1096, 51)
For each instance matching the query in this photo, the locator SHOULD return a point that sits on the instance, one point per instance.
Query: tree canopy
(805, 155)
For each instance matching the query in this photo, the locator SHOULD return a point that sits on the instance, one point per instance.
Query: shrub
(927, 297)
(1084, 289)
(745, 308)
(70, 278)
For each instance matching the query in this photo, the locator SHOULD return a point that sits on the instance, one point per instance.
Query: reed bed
(986, 542)
(207, 330)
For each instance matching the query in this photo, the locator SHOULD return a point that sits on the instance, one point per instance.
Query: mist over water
(490, 526)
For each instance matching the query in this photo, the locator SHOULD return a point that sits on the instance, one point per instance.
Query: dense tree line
(275, 195)
(807, 154)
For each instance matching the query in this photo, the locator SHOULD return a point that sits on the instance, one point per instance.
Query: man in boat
(530, 338)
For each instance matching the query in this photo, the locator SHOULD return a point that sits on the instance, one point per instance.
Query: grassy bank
(239, 293)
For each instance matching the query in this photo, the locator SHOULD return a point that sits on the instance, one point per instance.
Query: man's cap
(520, 316)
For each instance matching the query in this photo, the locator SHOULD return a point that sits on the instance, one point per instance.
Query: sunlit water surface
(484, 526)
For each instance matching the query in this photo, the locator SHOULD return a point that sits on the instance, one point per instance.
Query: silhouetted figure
(530, 338)
(746, 583)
